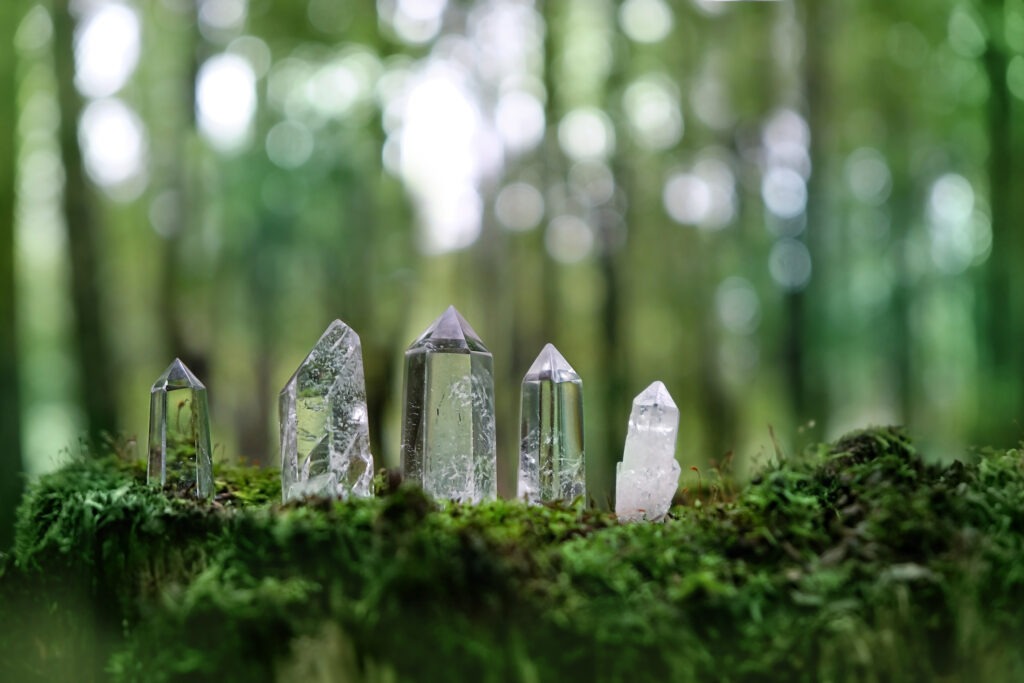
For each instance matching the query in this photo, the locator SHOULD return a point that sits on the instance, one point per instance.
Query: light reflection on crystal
(179, 433)
(325, 444)
(551, 463)
(448, 443)
(647, 478)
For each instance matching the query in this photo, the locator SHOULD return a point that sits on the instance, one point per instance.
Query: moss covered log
(858, 561)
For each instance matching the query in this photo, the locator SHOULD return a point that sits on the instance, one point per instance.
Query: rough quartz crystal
(448, 444)
(551, 465)
(647, 478)
(325, 443)
(179, 433)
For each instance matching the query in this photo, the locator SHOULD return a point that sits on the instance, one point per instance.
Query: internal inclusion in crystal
(647, 478)
(448, 443)
(325, 444)
(551, 461)
(179, 433)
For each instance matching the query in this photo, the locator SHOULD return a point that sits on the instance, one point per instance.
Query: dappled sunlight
(646, 21)
(702, 196)
(519, 117)
(114, 144)
(226, 101)
(784, 192)
(868, 176)
(414, 21)
(586, 133)
(445, 150)
(519, 206)
(959, 231)
(790, 264)
(569, 239)
(738, 305)
(222, 15)
(106, 48)
(651, 103)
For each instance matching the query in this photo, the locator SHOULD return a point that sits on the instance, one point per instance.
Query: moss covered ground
(858, 561)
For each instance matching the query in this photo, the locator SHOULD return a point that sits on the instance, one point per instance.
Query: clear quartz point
(647, 478)
(325, 441)
(551, 464)
(448, 444)
(179, 433)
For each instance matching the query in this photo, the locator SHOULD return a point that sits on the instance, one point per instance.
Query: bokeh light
(519, 206)
(868, 176)
(569, 239)
(646, 21)
(106, 49)
(703, 196)
(651, 104)
(226, 101)
(114, 147)
(790, 264)
(737, 305)
(586, 133)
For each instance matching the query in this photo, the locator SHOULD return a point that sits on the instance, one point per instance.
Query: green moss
(856, 561)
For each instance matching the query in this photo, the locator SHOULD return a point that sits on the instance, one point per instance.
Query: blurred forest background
(804, 214)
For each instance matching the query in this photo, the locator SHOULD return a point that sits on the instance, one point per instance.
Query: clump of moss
(854, 561)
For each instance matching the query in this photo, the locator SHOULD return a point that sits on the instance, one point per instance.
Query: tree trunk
(805, 367)
(1000, 327)
(97, 382)
(10, 413)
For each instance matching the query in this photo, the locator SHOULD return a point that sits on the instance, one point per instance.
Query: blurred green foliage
(801, 214)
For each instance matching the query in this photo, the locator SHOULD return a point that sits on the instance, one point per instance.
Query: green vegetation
(858, 561)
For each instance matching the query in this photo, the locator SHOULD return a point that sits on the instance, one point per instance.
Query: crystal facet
(647, 478)
(179, 433)
(551, 465)
(448, 444)
(325, 442)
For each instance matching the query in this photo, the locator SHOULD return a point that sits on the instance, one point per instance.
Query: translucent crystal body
(648, 475)
(325, 442)
(551, 465)
(179, 433)
(448, 443)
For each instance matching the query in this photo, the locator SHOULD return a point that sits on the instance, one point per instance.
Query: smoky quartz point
(179, 433)
(647, 478)
(448, 441)
(551, 462)
(325, 443)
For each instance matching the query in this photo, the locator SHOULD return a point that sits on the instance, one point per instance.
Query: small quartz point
(448, 444)
(551, 465)
(325, 441)
(647, 478)
(179, 433)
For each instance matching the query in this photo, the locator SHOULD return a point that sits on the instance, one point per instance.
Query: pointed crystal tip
(655, 395)
(337, 327)
(177, 376)
(550, 364)
(450, 330)
(336, 335)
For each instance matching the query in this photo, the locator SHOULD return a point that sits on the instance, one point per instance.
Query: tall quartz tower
(325, 442)
(647, 478)
(179, 433)
(551, 465)
(448, 443)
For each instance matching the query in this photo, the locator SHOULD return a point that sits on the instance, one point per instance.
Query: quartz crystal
(551, 465)
(325, 443)
(648, 475)
(179, 433)
(448, 444)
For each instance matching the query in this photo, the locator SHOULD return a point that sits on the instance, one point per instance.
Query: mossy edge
(850, 562)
